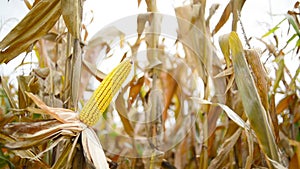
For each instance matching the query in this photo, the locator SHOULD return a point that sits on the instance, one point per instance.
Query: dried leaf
(169, 86)
(226, 72)
(91, 68)
(141, 22)
(230, 83)
(25, 141)
(27, 3)
(60, 114)
(36, 24)
(53, 83)
(139, 2)
(226, 13)
(76, 74)
(60, 162)
(92, 149)
(193, 37)
(8, 93)
(29, 127)
(122, 111)
(276, 164)
(72, 14)
(284, 103)
(230, 113)
(212, 11)
(225, 149)
(294, 162)
(234, 7)
(250, 142)
(135, 88)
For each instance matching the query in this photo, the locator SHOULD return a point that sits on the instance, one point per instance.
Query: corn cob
(103, 95)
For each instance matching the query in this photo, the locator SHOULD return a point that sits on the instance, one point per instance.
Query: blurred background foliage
(191, 103)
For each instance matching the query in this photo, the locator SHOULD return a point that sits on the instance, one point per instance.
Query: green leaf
(4, 160)
(253, 107)
(293, 23)
(271, 31)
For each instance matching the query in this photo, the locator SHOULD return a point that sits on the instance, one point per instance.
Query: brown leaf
(72, 14)
(22, 88)
(226, 72)
(135, 88)
(274, 118)
(169, 87)
(284, 103)
(139, 2)
(294, 162)
(60, 114)
(224, 17)
(29, 127)
(25, 141)
(7, 91)
(236, 10)
(225, 149)
(36, 24)
(122, 111)
(27, 3)
(234, 7)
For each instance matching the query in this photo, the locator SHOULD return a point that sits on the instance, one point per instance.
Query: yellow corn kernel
(103, 95)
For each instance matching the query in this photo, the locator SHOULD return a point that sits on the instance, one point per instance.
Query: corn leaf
(76, 73)
(93, 149)
(72, 14)
(122, 111)
(230, 113)
(36, 24)
(225, 149)
(251, 100)
(234, 7)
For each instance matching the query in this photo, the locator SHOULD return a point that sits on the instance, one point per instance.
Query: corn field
(173, 97)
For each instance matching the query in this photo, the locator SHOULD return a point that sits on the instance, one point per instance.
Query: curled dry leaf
(234, 7)
(135, 88)
(225, 149)
(93, 149)
(60, 114)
